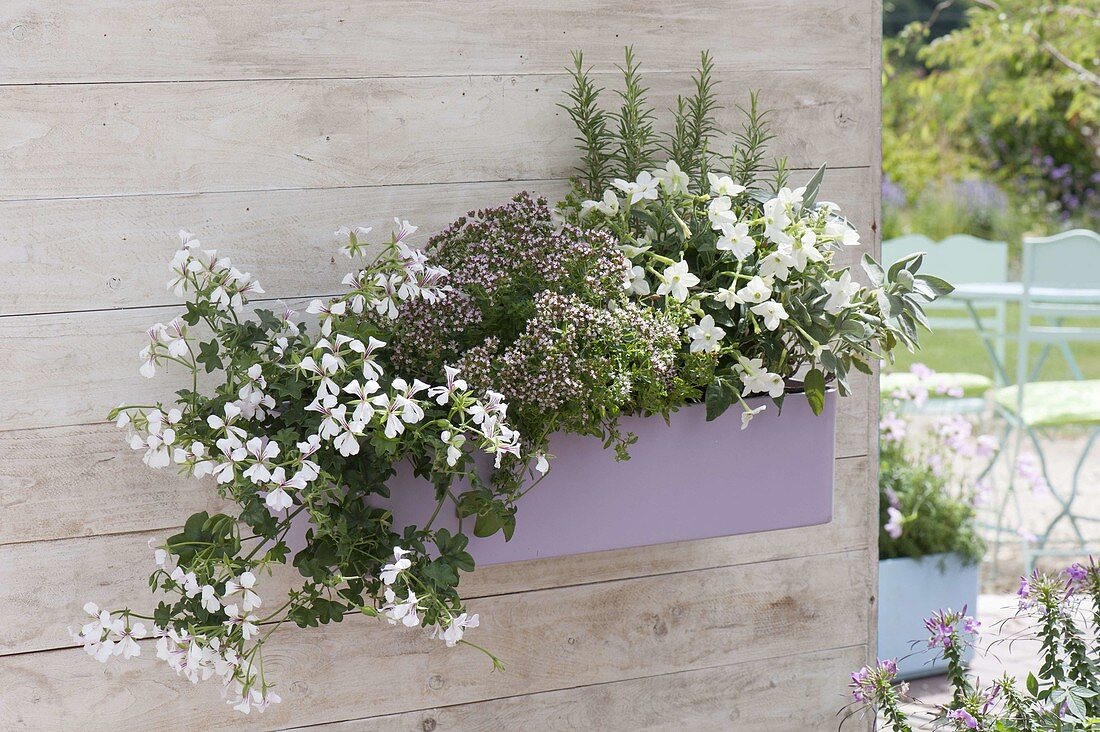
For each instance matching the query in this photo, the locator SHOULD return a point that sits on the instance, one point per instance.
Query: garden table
(1041, 405)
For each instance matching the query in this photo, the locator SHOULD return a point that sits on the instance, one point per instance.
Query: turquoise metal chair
(1066, 261)
(959, 258)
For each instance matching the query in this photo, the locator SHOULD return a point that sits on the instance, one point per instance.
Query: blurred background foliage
(991, 116)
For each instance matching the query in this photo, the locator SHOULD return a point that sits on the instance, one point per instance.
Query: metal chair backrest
(1066, 261)
(961, 259)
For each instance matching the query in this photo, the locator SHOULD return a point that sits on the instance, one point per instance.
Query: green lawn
(961, 350)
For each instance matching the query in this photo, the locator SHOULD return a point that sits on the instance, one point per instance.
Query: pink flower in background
(894, 525)
(1030, 471)
(961, 715)
(892, 427)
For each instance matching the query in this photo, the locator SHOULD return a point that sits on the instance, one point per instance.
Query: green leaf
(1032, 684)
(874, 270)
(209, 356)
(937, 285)
(719, 397)
(809, 198)
(814, 385)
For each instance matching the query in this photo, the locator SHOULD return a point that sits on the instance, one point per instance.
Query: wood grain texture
(121, 40)
(113, 252)
(230, 136)
(554, 639)
(742, 697)
(113, 570)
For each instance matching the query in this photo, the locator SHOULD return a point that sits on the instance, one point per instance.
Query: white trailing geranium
(300, 427)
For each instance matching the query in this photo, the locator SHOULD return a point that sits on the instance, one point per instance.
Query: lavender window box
(691, 479)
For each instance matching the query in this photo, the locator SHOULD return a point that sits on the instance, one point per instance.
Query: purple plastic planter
(691, 479)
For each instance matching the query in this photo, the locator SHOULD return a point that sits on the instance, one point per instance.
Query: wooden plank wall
(261, 126)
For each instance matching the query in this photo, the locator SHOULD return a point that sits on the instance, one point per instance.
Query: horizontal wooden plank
(552, 639)
(113, 569)
(117, 40)
(95, 253)
(113, 139)
(114, 252)
(749, 697)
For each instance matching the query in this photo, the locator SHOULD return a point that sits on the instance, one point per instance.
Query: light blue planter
(909, 591)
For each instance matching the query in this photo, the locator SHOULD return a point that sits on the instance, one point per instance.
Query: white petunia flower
(720, 213)
(772, 312)
(706, 337)
(755, 291)
(672, 178)
(757, 379)
(608, 206)
(676, 280)
(644, 187)
(736, 239)
(841, 291)
(724, 186)
(728, 297)
(748, 414)
(636, 281)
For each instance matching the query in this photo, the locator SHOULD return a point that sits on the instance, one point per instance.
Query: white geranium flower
(542, 465)
(278, 498)
(723, 185)
(403, 612)
(755, 291)
(706, 337)
(676, 280)
(736, 239)
(209, 599)
(245, 620)
(263, 451)
(454, 442)
(644, 187)
(244, 584)
(444, 394)
(772, 312)
(841, 291)
(454, 631)
(672, 179)
(127, 644)
(399, 564)
(350, 239)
